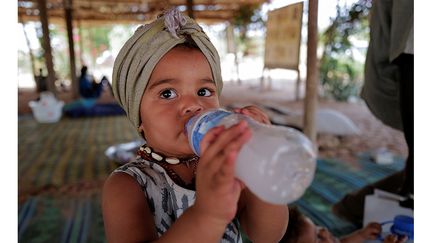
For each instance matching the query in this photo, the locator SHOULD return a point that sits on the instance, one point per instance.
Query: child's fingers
(210, 137)
(395, 239)
(228, 168)
(255, 113)
(225, 177)
(373, 230)
(375, 225)
(402, 239)
(238, 142)
(225, 173)
(390, 239)
(216, 146)
(226, 155)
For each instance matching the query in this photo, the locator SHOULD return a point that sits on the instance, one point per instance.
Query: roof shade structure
(96, 12)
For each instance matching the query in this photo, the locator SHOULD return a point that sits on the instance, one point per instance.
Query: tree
(247, 18)
(341, 74)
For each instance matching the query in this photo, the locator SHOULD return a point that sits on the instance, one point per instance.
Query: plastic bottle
(277, 164)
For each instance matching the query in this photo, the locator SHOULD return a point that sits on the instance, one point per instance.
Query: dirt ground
(374, 134)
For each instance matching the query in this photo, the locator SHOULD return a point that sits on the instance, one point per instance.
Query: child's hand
(254, 112)
(217, 190)
(395, 239)
(371, 231)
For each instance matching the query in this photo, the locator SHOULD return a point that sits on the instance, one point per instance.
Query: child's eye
(204, 92)
(168, 94)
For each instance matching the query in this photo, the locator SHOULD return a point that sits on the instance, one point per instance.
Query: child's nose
(191, 107)
(194, 109)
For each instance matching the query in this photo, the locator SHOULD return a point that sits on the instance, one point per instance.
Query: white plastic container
(48, 109)
(277, 164)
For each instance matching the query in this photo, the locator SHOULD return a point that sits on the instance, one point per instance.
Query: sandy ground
(374, 134)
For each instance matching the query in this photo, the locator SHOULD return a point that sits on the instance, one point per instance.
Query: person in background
(88, 87)
(389, 93)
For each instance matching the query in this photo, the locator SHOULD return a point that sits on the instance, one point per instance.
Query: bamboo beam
(310, 105)
(47, 46)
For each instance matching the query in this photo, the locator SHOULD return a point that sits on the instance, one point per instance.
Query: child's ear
(141, 130)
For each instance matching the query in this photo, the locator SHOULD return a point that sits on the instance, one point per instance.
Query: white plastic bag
(48, 109)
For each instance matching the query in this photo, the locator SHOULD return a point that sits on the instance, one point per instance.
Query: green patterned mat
(61, 169)
(70, 151)
(61, 219)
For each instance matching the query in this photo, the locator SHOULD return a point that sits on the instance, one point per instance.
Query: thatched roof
(130, 11)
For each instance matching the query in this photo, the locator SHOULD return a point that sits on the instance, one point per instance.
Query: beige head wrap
(140, 54)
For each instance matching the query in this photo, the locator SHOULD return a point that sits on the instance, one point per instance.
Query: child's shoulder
(145, 173)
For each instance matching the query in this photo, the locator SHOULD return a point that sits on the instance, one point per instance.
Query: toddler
(167, 72)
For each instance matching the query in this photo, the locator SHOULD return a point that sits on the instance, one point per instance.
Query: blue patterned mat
(333, 179)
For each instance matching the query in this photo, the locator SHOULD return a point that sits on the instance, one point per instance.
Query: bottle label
(204, 123)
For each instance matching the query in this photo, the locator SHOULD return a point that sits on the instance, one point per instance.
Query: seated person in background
(89, 103)
(105, 82)
(301, 229)
(41, 82)
(88, 87)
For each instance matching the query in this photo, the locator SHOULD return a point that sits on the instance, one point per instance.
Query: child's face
(180, 86)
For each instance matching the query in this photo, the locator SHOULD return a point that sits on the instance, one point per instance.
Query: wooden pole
(80, 43)
(47, 46)
(312, 72)
(190, 11)
(32, 59)
(232, 47)
(297, 90)
(72, 65)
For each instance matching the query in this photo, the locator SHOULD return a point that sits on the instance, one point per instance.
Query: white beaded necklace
(170, 160)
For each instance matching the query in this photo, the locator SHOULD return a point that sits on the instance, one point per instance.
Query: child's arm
(262, 222)
(395, 239)
(127, 217)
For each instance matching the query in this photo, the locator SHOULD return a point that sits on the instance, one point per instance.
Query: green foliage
(23, 62)
(341, 74)
(247, 18)
(341, 77)
(94, 40)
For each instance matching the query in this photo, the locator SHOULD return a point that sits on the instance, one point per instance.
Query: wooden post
(47, 46)
(232, 47)
(72, 66)
(32, 59)
(80, 43)
(312, 73)
(190, 11)
(297, 89)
